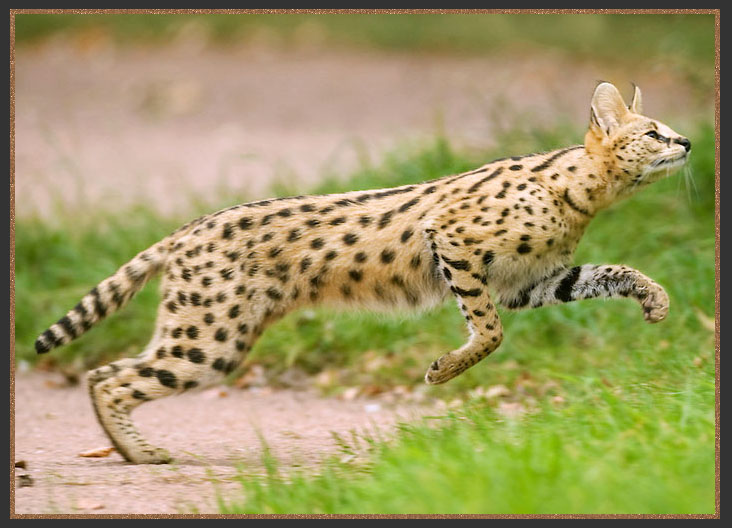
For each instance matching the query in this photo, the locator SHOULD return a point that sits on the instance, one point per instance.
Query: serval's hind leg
(118, 388)
(167, 366)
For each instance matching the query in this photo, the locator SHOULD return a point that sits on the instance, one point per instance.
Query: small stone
(88, 504)
(350, 393)
(100, 452)
(497, 391)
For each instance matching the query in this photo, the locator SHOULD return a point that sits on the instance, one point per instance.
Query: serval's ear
(607, 109)
(637, 105)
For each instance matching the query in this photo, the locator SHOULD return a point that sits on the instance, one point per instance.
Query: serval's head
(634, 150)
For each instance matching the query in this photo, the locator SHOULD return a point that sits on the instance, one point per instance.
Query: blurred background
(113, 110)
(129, 125)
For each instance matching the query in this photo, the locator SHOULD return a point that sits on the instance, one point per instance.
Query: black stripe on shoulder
(480, 182)
(551, 159)
(573, 205)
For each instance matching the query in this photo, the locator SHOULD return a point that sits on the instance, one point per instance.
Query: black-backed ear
(637, 105)
(607, 109)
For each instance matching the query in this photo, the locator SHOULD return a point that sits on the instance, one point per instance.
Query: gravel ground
(210, 433)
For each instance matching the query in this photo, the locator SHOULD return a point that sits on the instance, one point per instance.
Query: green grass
(679, 42)
(621, 413)
(635, 448)
(632, 429)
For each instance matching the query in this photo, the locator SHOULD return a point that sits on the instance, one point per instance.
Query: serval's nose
(684, 143)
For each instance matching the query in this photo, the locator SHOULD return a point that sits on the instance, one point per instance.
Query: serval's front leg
(590, 281)
(465, 273)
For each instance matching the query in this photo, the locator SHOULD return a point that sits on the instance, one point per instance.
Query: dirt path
(100, 126)
(210, 434)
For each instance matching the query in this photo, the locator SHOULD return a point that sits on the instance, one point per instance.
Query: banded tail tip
(41, 346)
(46, 341)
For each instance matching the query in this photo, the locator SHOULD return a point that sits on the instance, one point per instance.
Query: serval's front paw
(654, 301)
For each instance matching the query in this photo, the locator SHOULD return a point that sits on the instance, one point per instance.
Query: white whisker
(690, 183)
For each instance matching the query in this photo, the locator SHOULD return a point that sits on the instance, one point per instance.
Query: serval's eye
(652, 134)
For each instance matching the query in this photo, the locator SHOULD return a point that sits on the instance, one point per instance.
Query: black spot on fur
(246, 222)
(523, 248)
(294, 235)
(219, 364)
(167, 378)
(196, 355)
(274, 293)
(385, 219)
